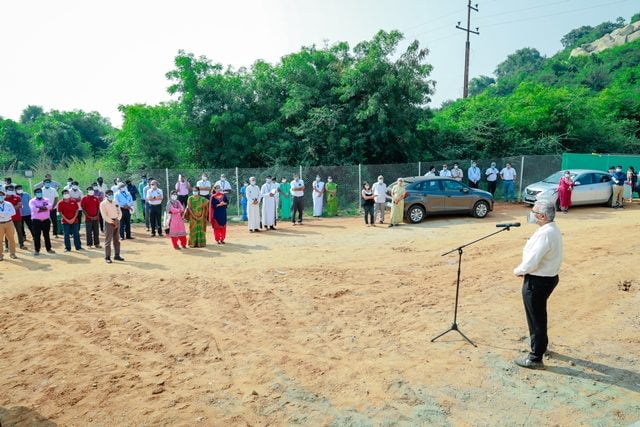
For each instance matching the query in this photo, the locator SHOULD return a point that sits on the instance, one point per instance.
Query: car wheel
(480, 209)
(416, 214)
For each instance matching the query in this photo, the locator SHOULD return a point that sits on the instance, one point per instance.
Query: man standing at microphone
(541, 260)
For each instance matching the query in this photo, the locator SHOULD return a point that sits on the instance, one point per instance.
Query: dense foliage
(341, 105)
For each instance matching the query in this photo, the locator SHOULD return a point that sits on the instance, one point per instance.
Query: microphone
(511, 224)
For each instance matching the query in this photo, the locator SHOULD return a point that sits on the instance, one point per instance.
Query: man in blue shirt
(125, 201)
(473, 174)
(25, 212)
(618, 178)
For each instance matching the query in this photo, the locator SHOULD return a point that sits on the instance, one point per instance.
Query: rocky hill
(626, 34)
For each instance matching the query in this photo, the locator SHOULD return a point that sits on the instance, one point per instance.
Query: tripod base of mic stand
(454, 327)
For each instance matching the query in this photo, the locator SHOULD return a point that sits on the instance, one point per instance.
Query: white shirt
(380, 192)
(50, 193)
(253, 193)
(445, 172)
(297, 184)
(508, 174)
(457, 174)
(203, 184)
(225, 186)
(154, 193)
(429, 174)
(542, 255)
(6, 212)
(492, 174)
(318, 189)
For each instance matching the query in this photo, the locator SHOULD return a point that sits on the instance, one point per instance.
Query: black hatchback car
(428, 196)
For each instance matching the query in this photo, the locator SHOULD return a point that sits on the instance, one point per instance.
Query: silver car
(592, 187)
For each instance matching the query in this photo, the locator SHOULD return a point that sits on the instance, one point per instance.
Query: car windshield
(555, 178)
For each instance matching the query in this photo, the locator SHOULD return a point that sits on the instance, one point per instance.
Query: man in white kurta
(268, 194)
(318, 196)
(253, 205)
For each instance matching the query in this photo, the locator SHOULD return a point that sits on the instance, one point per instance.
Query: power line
(469, 31)
(523, 9)
(554, 14)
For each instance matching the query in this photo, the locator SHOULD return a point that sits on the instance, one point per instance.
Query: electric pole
(468, 30)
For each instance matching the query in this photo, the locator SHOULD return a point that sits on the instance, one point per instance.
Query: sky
(97, 55)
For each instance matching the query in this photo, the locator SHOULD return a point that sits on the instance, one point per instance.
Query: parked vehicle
(428, 196)
(592, 187)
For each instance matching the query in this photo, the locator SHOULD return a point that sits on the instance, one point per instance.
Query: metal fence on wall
(349, 178)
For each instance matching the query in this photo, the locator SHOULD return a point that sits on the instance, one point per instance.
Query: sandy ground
(325, 324)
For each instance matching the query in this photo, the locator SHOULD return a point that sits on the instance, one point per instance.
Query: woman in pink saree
(565, 187)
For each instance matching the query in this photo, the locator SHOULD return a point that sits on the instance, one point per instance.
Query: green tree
(522, 61)
(16, 149)
(479, 84)
(92, 127)
(58, 141)
(31, 114)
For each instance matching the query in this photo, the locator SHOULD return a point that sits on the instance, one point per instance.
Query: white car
(592, 187)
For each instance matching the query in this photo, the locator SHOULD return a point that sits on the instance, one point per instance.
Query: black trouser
(101, 222)
(183, 200)
(473, 184)
(125, 223)
(368, 213)
(492, 187)
(26, 219)
(20, 232)
(535, 293)
(155, 212)
(41, 227)
(297, 207)
(53, 216)
(92, 229)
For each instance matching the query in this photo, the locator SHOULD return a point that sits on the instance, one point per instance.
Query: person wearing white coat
(268, 194)
(318, 196)
(253, 205)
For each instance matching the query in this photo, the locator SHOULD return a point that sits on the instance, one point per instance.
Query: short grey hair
(546, 208)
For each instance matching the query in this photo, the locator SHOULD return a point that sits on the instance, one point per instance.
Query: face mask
(618, 170)
(38, 195)
(110, 198)
(268, 181)
(90, 192)
(1, 199)
(20, 191)
(47, 185)
(174, 197)
(455, 166)
(69, 183)
(330, 180)
(473, 165)
(75, 187)
(154, 186)
(195, 193)
(381, 181)
(222, 179)
(444, 168)
(317, 178)
(566, 175)
(10, 193)
(493, 165)
(66, 196)
(95, 188)
(204, 177)
(252, 182)
(531, 218)
(284, 181)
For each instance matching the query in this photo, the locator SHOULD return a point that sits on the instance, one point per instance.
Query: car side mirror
(464, 190)
(576, 183)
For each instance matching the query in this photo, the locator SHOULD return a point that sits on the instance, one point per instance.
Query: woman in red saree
(565, 187)
(218, 215)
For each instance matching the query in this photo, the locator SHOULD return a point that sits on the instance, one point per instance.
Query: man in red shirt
(16, 201)
(69, 211)
(91, 206)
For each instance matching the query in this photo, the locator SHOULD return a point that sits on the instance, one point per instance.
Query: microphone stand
(459, 249)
